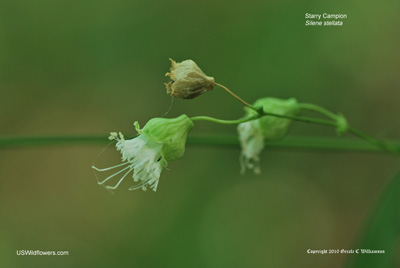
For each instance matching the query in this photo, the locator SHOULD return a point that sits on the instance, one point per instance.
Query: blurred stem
(358, 133)
(383, 145)
(13, 142)
(261, 114)
(335, 123)
(301, 143)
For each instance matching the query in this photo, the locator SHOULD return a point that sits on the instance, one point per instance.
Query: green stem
(224, 122)
(301, 119)
(295, 118)
(302, 143)
(319, 109)
(379, 143)
(358, 133)
(313, 143)
(15, 141)
(336, 121)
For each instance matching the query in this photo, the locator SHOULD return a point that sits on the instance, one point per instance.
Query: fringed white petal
(143, 156)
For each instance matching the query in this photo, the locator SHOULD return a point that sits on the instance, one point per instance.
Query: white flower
(161, 140)
(252, 142)
(141, 155)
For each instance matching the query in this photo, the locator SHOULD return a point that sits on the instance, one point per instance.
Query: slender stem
(301, 143)
(234, 95)
(15, 141)
(358, 133)
(295, 118)
(302, 119)
(379, 143)
(318, 109)
(290, 142)
(224, 122)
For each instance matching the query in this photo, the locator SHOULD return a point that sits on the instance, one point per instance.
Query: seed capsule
(187, 80)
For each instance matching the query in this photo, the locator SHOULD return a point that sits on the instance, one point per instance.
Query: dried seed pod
(187, 80)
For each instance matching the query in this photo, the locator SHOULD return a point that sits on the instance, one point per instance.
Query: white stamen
(141, 154)
(109, 168)
(119, 182)
(113, 175)
(141, 185)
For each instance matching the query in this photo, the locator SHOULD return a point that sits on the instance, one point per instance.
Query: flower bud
(188, 80)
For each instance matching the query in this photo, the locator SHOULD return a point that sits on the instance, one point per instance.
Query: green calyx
(274, 127)
(171, 132)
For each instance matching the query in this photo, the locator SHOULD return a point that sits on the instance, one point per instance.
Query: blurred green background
(83, 67)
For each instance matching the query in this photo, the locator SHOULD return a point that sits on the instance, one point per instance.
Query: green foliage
(382, 231)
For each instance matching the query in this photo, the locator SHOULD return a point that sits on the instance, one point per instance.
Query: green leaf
(382, 231)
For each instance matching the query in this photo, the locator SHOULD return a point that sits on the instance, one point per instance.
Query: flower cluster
(163, 140)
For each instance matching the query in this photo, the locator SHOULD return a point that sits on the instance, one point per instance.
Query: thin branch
(234, 95)
(290, 142)
(224, 122)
